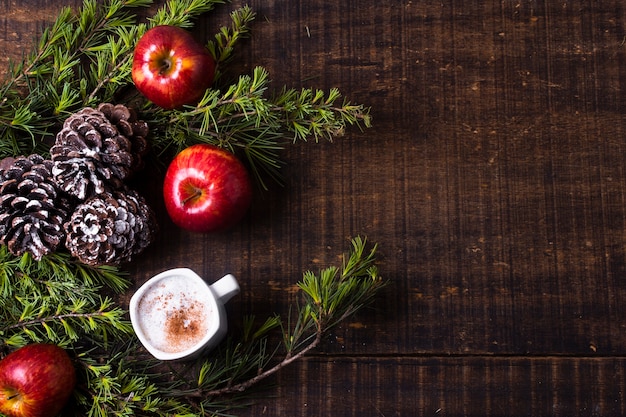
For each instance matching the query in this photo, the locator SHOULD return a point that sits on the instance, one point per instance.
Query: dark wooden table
(493, 180)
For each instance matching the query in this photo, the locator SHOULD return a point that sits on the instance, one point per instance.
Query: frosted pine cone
(90, 155)
(32, 211)
(110, 228)
(125, 120)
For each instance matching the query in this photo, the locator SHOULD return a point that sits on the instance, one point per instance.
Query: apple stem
(197, 193)
(10, 397)
(165, 66)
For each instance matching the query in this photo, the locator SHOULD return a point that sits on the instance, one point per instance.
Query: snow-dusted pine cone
(110, 228)
(125, 119)
(32, 211)
(94, 150)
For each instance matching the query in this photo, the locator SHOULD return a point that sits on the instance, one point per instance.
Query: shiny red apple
(170, 68)
(206, 189)
(36, 380)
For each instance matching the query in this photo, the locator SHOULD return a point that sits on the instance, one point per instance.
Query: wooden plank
(493, 177)
(21, 23)
(453, 386)
(493, 180)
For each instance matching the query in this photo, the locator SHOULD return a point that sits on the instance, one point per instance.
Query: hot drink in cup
(177, 315)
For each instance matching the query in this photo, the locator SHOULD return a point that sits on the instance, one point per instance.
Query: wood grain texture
(453, 386)
(493, 180)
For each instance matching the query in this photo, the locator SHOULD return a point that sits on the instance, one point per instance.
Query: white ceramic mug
(177, 315)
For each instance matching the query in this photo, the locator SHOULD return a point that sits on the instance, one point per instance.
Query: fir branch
(182, 12)
(55, 275)
(265, 373)
(119, 385)
(329, 298)
(111, 67)
(56, 78)
(66, 324)
(124, 381)
(85, 58)
(57, 300)
(49, 320)
(225, 40)
(245, 119)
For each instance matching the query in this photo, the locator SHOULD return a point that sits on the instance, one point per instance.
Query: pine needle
(85, 58)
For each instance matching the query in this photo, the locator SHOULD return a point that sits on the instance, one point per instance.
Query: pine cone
(32, 211)
(110, 228)
(93, 153)
(125, 119)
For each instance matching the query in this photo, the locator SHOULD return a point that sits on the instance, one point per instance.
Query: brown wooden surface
(493, 180)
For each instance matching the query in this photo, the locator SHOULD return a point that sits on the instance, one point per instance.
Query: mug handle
(225, 288)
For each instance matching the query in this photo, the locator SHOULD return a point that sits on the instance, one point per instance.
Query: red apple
(36, 380)
(206, 189)
(170, 68)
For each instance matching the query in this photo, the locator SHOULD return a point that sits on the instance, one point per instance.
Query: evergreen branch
(243, 119)
(329, 297)
(118, 385)
(57, 300)
(182, 12)
(85, 58)
(113, 64)
(243, 386)
(54, 80)
(124, 381)
(225, 40)
(44, 50)
(64, 324)
(56, 275)
(65, 328)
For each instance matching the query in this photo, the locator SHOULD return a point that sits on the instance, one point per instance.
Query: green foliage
(222, 47)
(82, 59)
(53, 301)
(59, 301)
(329, 297)
(124, 381)
(244, 119)
(335, 294)
(85, 58)
(122, 386)
(182, 12)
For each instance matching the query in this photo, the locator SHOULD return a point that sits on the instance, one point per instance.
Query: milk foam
(172, 315)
